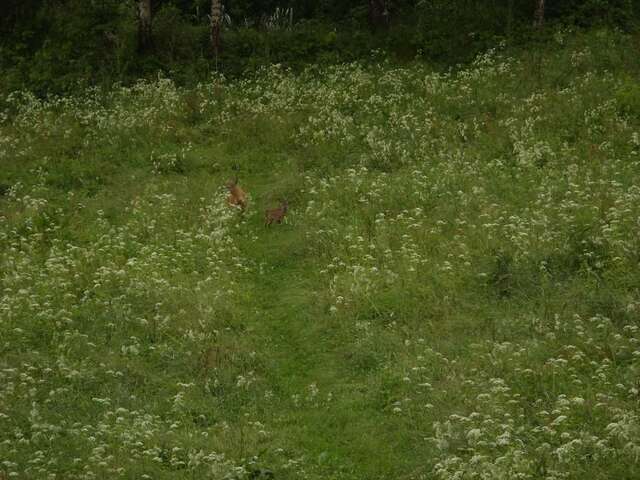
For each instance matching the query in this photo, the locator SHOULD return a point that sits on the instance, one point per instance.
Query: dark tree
(144, 25)
(378, 13)
(538, 16)
(216, 24)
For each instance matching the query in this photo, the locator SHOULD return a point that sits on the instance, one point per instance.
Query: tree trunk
(378, 14)
(216, 24)
(538, 16)
(144, 25)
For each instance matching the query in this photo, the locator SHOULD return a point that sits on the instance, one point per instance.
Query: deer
(276, 214)
(237, 197)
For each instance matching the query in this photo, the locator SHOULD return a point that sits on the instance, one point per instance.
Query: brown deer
(276, 214)
(237, 197)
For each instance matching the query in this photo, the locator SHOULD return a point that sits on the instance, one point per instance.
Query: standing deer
(237, 197)
(276, 214)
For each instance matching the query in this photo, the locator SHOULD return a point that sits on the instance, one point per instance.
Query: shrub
(628, 98)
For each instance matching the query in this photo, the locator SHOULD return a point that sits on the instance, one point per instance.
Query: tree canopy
(53, 45)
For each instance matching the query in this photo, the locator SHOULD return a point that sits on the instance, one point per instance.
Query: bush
(307, 42)
(628, 98)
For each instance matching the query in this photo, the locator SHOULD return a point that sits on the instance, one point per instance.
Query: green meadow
(454, 293)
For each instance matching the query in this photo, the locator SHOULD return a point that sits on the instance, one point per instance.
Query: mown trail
(324, 409)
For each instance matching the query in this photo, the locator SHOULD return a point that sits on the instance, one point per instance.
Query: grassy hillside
(455, 293)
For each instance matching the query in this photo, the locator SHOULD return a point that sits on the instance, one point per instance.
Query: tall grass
(454, 293)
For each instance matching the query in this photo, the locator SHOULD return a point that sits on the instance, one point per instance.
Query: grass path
(304, 349)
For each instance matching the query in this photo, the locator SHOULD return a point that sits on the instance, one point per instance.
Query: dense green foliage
(59, 45)
(455, 294)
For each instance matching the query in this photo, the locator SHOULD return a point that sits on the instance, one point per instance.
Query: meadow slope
(455, 293)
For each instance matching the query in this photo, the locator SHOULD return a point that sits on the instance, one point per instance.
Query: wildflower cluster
(79, 314)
